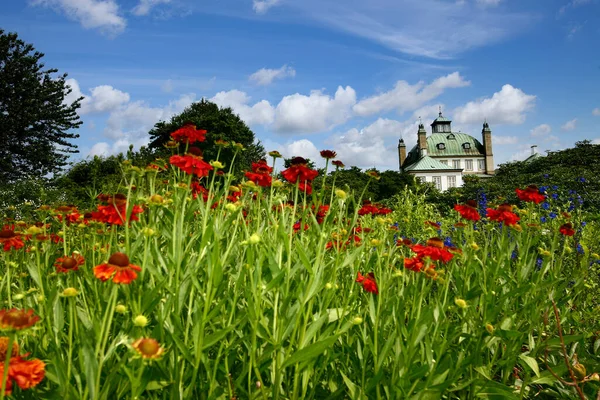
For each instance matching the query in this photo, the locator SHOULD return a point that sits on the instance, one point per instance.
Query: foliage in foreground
(262, 292)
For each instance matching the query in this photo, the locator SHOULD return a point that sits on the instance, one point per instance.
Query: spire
(440, 114)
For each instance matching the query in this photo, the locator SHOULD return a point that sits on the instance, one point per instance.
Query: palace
(445, 156)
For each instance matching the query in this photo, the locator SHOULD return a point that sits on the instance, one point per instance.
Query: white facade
(445, 179)
(469, 165)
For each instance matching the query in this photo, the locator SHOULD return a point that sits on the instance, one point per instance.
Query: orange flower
(16, 320)
(148, 348)
(414, 264)
(9, 239)
(65, 264)
(118, 268)
(26, 373)
(4, 349)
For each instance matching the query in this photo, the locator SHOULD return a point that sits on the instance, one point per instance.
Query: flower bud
(328, 286)
(231, 207)
(277, 183)
(140, 321)
(217, 165)
(490, 328)
(460, 303)
(254, 238)
(70, 292)
(341, 194)
(121, 309)
(19, 296)
(357, 321)
(579, 370)
(474, 246)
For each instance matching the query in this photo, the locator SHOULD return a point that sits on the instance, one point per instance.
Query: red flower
(16, 320)
(118, 268)
(413, 264)
(305, 188)
(530, 193)
(328, 154)
(197, 188)
(567, 229)
(298, 171)
(468, 211)
(261, 174)
(368, 282)
(66, 264)
(191, 163)
(435, 250)
(503, 214)
(338, 163)
(115, 214)
(9, 239)
(189, 134)
(323, 210)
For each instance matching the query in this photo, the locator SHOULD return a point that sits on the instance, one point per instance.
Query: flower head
(299, 172)
(17, 320)
(189, 134)
(191, 163)
(503, 214)
(9, 239)
(468, 210)
(434, 250)
(66, 264)
(338, 163)
(567, 229)
(530, 194)
(275, 154)
(4, 349)
(148, 349)
(118, 268)
(328, 154)
(368, 282)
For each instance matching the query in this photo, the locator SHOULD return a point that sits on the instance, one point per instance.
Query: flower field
(190, 284)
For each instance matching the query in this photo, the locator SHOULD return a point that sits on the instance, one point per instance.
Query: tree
(220, 123)
(34, 119)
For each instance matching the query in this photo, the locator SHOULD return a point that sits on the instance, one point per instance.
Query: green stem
(11, 338)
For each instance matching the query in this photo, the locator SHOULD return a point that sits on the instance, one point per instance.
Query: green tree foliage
(220, 123)
(34, 119)
(575, 169)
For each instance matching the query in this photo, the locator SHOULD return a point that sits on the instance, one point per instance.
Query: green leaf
(310, 352)
(532, 363)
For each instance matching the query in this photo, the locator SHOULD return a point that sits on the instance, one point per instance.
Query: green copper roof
(428, 164)
(532, 157)
(441, 119)
(453, 143)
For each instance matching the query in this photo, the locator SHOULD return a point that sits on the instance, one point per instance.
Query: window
(456, 164)
(481, 165)
(444, 162)
(466, 146)
(437, 181)
(451, 181)
(451, 137)
(468, 165)
(441, 146)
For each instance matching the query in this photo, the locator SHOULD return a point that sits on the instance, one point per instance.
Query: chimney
(422, 140)
(486, 134)
(533, 149)
(401, 152)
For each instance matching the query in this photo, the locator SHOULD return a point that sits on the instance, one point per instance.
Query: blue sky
(347, 75)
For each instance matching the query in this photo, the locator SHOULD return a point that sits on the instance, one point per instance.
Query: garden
(190, 283)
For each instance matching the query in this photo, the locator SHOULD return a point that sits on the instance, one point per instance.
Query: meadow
(192, 284)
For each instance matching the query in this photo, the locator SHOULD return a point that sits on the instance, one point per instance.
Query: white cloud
(569, 125)
(596, 141)
(508, 106)
(488, 3)
(596, 112)
(261, 6)
(265, 76)
(406, 97)
(145, 6)
(300, 148)
(101, 99)
(91, 14)
(167, 87)
(502, 140)
(541, 130)
(261, 113)
(316, 112)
